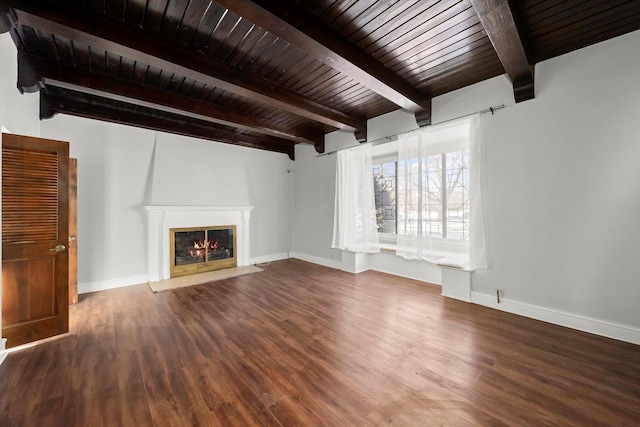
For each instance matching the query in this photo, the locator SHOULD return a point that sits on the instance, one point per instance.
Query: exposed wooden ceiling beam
(33, 72)
(51, 104)
(500, 25)
(298, 27)
(5, 20)
(102, 33)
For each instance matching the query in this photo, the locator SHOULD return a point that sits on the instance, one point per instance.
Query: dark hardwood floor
(300, 344)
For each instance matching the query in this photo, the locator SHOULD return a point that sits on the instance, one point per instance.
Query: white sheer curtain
(420, 197)
(354, 221)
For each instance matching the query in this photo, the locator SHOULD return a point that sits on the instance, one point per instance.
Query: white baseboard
(3, 350)
(585, 324)
(85, 288)
(268, 258)
(317, 260)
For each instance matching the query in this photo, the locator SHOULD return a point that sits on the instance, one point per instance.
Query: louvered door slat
(29, 196)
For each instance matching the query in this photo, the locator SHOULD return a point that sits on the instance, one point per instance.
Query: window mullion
(443, 195)
(396, 198)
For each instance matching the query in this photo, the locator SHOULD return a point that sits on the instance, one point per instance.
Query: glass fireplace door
(195, 250)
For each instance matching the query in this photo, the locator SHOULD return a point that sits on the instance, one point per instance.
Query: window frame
(390, 239)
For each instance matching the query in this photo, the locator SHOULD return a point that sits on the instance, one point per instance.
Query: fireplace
(163, 218)
(200, 249)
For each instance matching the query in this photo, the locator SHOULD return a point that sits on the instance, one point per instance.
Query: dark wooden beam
(423, 117)
(361, 135)
(159, 121)
(5, 20)
(500, 25)
(36, 72)
(294, 24)
(102, 33)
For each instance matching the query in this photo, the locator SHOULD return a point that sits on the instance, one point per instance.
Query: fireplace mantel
(161, 218)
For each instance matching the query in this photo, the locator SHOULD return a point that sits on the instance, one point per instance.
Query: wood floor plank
(301, 344)
(132, 396)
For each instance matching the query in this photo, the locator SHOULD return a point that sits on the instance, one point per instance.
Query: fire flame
(201, 245)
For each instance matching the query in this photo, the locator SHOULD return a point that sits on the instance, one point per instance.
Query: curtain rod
(390, 138)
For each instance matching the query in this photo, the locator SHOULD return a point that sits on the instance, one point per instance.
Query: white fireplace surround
(161, 218)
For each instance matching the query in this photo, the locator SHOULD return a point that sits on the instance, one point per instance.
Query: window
(443, 196)
(425, 206)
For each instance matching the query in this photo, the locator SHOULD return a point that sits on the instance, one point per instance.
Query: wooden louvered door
(35, 233)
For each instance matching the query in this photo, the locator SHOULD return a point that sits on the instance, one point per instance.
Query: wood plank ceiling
(270, 74)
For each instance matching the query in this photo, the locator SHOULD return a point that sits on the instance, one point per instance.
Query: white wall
(113, 170)
(270, 178)
(189, 172)
(313, 214)
(16, 110)
(564, 192)
(564, 189)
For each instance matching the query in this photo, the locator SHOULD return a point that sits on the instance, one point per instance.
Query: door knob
(58, 248)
